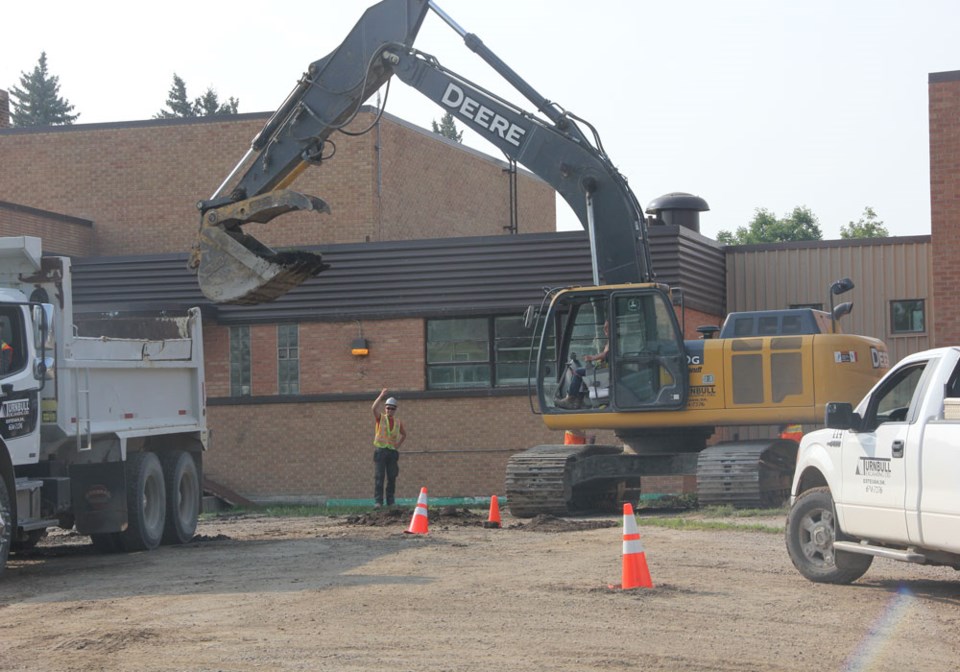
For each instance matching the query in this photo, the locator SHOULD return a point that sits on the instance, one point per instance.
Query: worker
(389, 436)
(572, 400)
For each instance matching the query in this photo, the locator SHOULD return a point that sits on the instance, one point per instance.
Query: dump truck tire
(146, 503)
(183, 496)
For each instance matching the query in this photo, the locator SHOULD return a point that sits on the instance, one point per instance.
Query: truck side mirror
(840, 415)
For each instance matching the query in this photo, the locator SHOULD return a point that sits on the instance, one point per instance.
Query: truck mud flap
(99, 497)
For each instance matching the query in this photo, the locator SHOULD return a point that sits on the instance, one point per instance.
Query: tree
(38, 102)
(800, 224)
(208, 105)
(866, 227)
(447, 128)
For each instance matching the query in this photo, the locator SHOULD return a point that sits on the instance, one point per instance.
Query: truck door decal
(18, 414)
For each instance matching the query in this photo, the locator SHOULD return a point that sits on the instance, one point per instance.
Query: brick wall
(61, 235)
(139, 183)
(944, 93)
(4, 109)
(455, 447)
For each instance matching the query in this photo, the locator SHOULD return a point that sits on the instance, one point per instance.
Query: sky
(746, 103)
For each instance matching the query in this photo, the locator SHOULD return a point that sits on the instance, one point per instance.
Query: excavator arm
(233, 267)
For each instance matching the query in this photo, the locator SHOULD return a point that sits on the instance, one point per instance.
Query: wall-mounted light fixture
(360, 347)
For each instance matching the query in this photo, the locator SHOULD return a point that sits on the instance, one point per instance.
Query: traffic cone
(493, 520)
(574, 437)
(636, 574)
(419, 523)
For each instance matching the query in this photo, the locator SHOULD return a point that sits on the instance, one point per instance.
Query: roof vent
(677, 208)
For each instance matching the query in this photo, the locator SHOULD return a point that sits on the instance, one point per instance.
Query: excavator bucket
(234, 267)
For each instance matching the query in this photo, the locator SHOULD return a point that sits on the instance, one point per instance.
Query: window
(240, 361)
(907, 317)
(288, 358)
(477, 352)
(13, 355)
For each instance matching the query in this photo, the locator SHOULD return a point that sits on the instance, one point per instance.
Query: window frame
(284, 352)
(894, 330)
(245, 366)
(493, 361)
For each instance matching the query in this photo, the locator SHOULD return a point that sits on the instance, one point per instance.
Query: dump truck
(102, 421)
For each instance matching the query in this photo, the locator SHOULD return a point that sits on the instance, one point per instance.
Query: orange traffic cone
(636, 574)
(419, 524)
(493, 520)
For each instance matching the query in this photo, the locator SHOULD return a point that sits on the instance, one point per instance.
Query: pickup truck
(882, 480)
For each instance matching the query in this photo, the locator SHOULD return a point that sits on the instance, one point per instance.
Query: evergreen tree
(37, 100)
(866, 227)
(447, 128)
(179, 106)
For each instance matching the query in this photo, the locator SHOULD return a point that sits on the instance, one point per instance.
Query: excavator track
(564, 480)
(746, 474)
(540, 480)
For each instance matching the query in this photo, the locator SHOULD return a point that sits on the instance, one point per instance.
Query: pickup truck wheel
(6, 524)
(183, 497)
(146, 503)
(811, 531)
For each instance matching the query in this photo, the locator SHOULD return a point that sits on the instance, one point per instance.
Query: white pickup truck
(883, 479)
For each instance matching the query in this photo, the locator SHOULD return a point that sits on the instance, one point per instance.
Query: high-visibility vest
(385, 435)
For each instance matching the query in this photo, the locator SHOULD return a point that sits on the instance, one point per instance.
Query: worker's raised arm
(377, 404)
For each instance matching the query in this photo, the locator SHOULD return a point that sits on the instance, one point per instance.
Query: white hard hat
(392, 401)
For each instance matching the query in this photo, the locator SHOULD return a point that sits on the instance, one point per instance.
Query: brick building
(299, 427)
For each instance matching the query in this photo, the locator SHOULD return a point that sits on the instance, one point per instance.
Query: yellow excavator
(663, 397)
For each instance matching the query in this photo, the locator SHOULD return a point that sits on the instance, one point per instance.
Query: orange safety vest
(385, 435)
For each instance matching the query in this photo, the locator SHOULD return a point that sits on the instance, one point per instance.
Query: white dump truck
(102, 422)
(881, 480)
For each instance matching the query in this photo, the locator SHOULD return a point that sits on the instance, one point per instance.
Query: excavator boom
(233, 267)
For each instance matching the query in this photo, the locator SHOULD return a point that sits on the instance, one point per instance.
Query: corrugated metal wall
(761, 277)
(424, 278)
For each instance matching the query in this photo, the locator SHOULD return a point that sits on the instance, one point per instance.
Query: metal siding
(449, 276)
(775, 276)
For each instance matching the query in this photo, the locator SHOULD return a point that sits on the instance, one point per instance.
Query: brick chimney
(4, 109)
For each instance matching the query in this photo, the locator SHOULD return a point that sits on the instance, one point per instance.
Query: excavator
(663, 397)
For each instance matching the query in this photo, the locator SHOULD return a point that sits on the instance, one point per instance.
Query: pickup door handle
(898, 448)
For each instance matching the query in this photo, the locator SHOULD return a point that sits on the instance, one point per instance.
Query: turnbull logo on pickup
(873, 466)
(482, 116)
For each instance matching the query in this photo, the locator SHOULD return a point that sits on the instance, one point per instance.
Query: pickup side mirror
(840, 415)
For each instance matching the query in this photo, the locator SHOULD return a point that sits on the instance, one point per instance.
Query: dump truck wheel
(183, 497)
(811, 531)
(6, 524)
(146, 503)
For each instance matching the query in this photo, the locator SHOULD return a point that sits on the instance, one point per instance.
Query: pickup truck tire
(6, 524)
(146, 503)
(183, 496)
(811, 531)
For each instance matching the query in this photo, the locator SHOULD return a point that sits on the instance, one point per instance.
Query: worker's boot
(569, 403)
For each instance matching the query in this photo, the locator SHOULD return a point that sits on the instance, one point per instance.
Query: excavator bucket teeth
(233, 267)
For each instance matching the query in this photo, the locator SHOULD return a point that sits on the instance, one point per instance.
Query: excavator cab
(632, 335)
